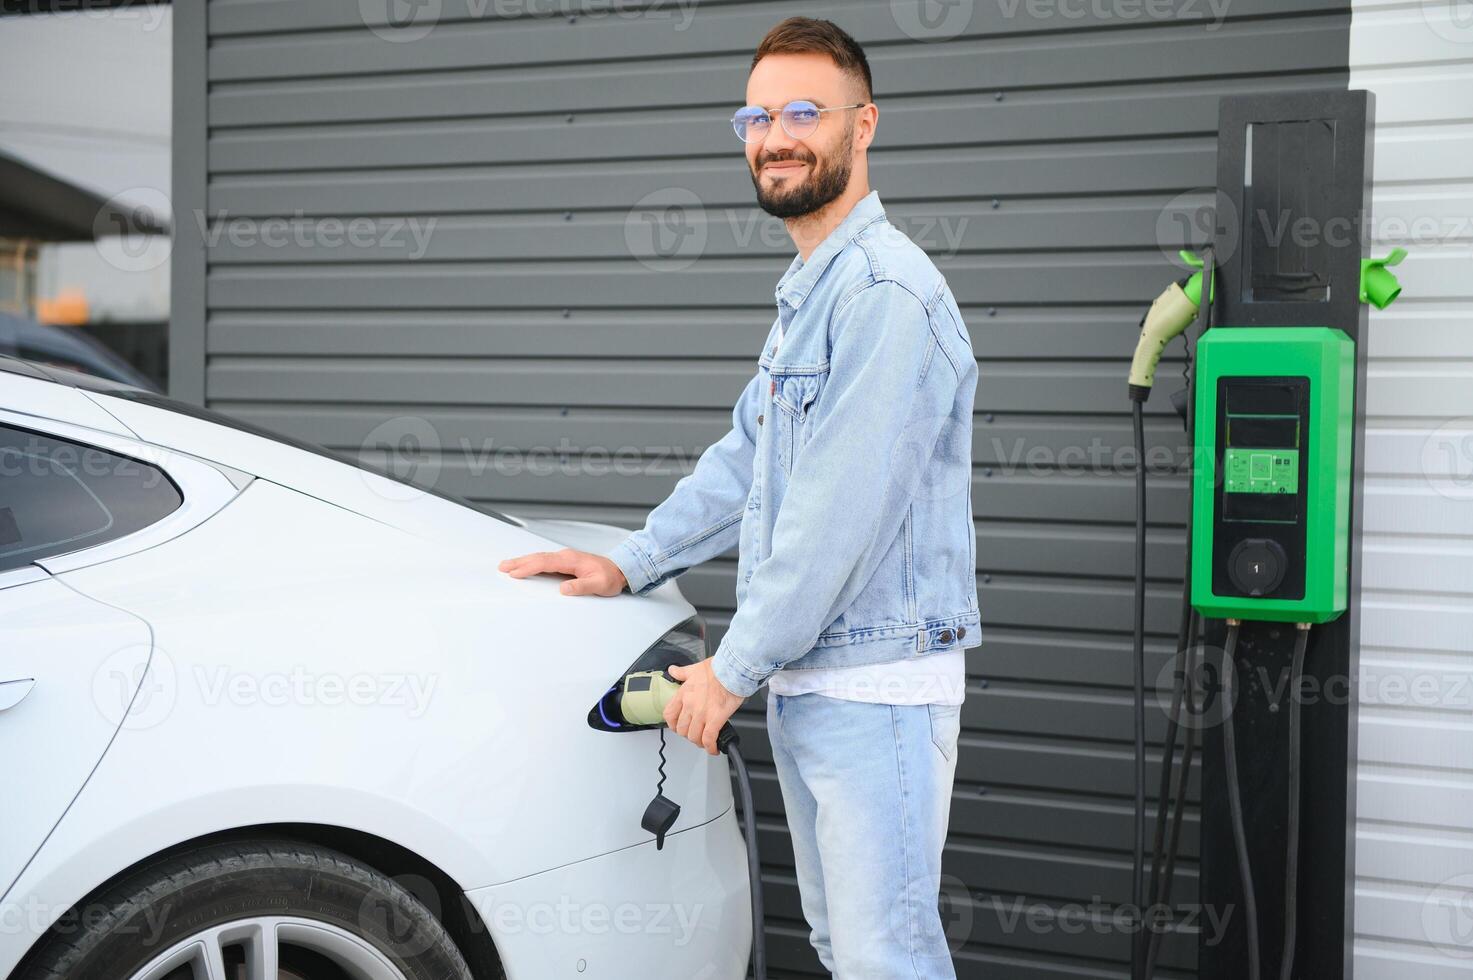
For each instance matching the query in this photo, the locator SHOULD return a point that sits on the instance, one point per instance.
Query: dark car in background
(67, 347)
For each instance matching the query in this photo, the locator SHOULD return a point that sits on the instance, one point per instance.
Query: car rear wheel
(267, 910)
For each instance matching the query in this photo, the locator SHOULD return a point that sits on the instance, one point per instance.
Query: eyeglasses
(799, 119)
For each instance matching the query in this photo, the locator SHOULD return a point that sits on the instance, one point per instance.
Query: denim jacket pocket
(793, 395)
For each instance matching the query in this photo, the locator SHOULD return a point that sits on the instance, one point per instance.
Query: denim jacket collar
(799, 280)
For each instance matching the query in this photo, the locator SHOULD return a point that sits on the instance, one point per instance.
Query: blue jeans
(867, 789)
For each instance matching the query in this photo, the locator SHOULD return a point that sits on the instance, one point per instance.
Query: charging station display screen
(1262, 429)
(1262, 454)
(1261, 471)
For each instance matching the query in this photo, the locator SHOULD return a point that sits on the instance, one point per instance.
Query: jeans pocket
(946, 727)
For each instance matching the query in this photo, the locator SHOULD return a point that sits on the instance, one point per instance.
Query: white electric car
(265, 713)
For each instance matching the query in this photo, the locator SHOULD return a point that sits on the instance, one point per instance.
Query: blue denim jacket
(846, 477)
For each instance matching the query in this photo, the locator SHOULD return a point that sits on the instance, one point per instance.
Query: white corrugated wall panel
(1414, 838)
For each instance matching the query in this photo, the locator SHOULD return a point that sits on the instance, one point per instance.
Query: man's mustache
(785, 159)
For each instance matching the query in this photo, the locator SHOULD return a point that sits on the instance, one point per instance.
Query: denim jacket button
(759, 419)
(945, 636)
(961, 632)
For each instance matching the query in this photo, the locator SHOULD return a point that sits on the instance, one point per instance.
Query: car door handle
(14, 692)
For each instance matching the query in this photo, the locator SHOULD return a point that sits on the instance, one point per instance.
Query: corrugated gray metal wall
(536, 233)
(1414, 794)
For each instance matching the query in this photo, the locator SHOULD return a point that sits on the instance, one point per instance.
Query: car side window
(59, 496)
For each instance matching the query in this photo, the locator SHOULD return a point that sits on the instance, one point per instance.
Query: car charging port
(683, 645)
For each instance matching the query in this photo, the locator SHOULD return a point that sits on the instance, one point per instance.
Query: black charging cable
(730, 742)
(1291, 858)
(1235, 798)
(1292, 824)
(1184, 700)
(1162, 876)
(1146, 942)
(1137, 867)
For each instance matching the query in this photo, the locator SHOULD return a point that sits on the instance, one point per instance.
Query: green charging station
(1274, 419)
(1269, 629)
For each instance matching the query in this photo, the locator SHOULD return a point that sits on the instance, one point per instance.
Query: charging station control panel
(1271, 493)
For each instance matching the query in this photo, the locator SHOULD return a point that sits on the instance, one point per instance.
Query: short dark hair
(808, 35)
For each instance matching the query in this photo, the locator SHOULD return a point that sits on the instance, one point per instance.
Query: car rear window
(62, 496)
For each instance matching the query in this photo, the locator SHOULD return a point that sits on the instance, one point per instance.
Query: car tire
(249, 887)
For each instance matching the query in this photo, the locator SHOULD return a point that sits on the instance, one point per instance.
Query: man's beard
(824, 183)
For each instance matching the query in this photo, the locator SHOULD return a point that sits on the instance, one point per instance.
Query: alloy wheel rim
(262, 938)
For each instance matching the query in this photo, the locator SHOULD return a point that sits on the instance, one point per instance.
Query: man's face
(794, 177)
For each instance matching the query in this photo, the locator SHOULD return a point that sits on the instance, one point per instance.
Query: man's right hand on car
(592, 574)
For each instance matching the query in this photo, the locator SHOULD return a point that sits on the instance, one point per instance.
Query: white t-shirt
(937, 678)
